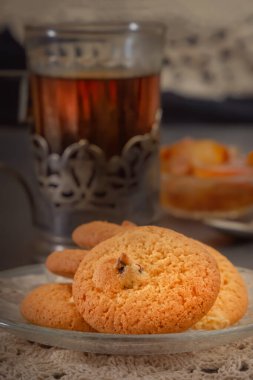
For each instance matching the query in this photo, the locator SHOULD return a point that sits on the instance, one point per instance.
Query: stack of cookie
(137, 280)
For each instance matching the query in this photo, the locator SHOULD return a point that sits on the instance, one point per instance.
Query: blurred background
(208, 65)
(207, 80)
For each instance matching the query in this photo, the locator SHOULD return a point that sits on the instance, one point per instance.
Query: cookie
(90, 234)
(147, 280)
(232, 301)
(52, 305)
(65, 263)
(127, 223)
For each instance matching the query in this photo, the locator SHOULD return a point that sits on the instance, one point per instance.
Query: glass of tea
(96, 110)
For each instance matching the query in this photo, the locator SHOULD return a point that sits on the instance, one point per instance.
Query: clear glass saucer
(15, 283)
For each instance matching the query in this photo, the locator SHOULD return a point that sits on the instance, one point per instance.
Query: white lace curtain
(209, 48)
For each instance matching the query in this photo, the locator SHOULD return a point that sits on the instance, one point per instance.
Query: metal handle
(21, 180)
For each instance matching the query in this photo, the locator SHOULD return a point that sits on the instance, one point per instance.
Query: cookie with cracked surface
(232, 301)
(147, 280)
(65, 263)
(52, 305)
(88, 235)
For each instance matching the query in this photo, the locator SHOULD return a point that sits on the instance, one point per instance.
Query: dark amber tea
(105, 111)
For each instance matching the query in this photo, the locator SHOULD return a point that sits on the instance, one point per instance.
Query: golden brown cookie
(65, 263)
(232, 301)
(127, 223)
(147, 280)
(52, 305)
(90, 234)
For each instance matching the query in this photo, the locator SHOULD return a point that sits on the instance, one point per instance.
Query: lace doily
(21, 359)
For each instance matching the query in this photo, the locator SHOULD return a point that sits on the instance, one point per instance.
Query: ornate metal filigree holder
(82, 179)
(81, 185)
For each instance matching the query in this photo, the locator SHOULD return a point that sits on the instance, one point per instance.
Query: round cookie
(127, 223)
(52, 305)
(90, 234)
(65, 263)
(148, 280)
(232, 301)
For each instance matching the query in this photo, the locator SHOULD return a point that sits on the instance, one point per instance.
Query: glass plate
(15, 283)
(239, 228)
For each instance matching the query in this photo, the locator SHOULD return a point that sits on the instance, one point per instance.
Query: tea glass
(96, 111)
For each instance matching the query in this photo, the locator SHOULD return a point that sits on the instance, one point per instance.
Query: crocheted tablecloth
(20, 359)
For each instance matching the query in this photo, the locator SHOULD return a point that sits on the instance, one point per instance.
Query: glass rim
(52, 30)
